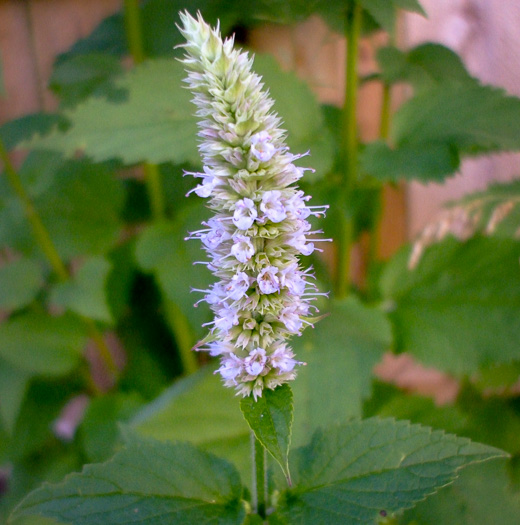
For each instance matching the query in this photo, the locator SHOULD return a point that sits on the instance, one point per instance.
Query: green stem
(183, 336)
(44, 241)
(349, 153)
(153, 183)
(134, 34)
(260, 491)
(40, 232)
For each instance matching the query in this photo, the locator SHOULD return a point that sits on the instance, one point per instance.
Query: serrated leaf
(38, 343)
(444, 118)
(363, 470)
(23, 128)
(85, 294)
(270, 418)
(481, 496)
(148, 483)
(74, 79)
(340, 353)
(458, 309)
(154, 122)
(423, 66)
(20, 282)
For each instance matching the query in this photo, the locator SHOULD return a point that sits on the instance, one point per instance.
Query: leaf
(362, 470)
(23, 128)
(148, 483)
(201, 410)
(483, 495)
(442, 120)
(85, 294)
(301, 115)
(76, 78)
(154, 123)
(20, 282)
(13, 384)
(423, 66)
(162, 250)
(38, 343)
(270, 418)
(458, 309)
(99, 429)
(340, 353)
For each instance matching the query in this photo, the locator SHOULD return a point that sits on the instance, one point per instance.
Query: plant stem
(40, 232)
(134, 34)
(260, 491)
(349, 153)
(152, 176)
(182, 331)
(44, 241)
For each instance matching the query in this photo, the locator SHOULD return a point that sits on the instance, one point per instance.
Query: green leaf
(20, 282)
(38, 343)
(423, 66)
(270, 417)
(23, 128)
(85, 294)
(458, 309)
(340, 353)
(154, 123)
(99, 431)
(382, 11)
(301, 115)
(443, 119)
(362, 470)
(481, 496)
(148, 483)
(162, 250)
(201, 410)
(74, 79)
(13, 384)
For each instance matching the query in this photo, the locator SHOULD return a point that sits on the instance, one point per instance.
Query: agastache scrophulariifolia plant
(259, 228)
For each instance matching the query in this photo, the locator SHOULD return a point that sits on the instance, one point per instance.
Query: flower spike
(259, 228)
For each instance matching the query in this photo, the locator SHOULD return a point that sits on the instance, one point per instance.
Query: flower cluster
(260, 223)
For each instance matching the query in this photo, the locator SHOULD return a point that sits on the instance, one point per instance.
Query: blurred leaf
(20, 282)
(443, 121)
(494, 211)
(155, 123)
(201, 410)
(76, 78)
(340, 353)
(301, 115)
(85, 293)
(99, 429)
(158, 482)
(362, 470)
(13, 384)
(270, 418)
(23, 128)
(458, 309)
(483, 495)
(162, 250)
(500, 377)
(120, 279)
(38, 343)
(108, 37)
(423, 66)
